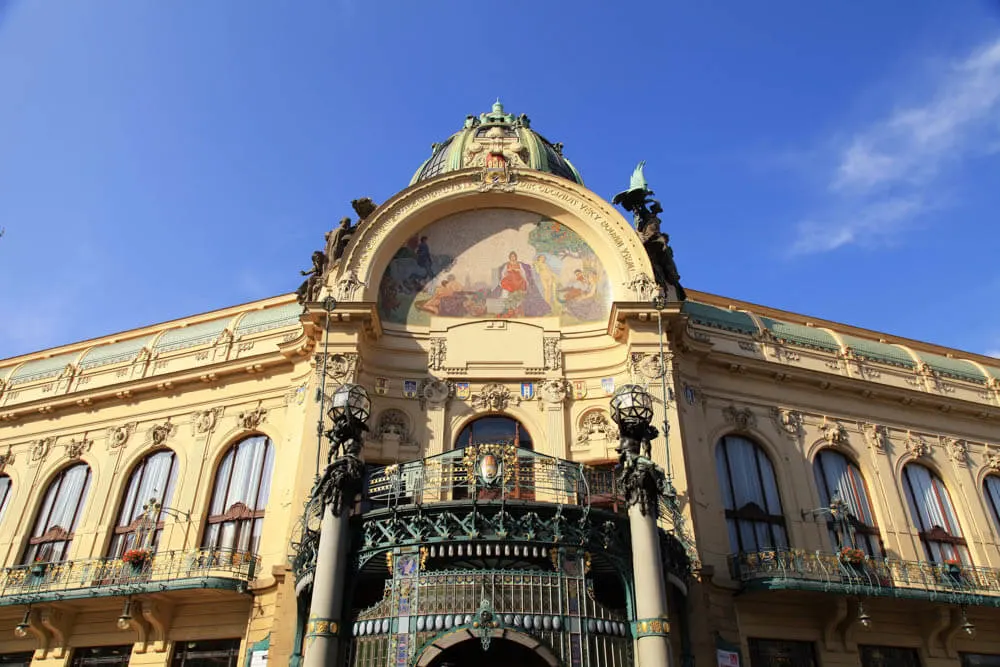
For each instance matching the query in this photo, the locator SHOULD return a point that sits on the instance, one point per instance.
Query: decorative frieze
(552, 354)
(494, 397)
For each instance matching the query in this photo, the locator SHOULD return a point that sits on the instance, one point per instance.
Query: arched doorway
(502, 653)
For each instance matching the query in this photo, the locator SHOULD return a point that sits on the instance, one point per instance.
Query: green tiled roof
(956, 368)
(114, 353)
(720, 318)
(269, 318)
(881, 352)
(43, 368)
(195, 334)
(798, 334)
(993, 371)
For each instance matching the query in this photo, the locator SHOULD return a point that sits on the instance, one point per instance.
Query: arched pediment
(575, 254)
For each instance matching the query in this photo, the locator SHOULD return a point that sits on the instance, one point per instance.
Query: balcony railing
(165, 570)
(798, 570)
(491, 472)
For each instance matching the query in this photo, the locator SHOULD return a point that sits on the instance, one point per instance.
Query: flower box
(137, 558)
(852, 556)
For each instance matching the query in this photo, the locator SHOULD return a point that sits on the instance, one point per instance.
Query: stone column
(652, 626)
(323, 629)
(338, 488)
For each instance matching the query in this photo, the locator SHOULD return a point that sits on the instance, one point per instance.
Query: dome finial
(497, 106)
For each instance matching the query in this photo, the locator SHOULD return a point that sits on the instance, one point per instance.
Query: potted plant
(852, 556)
(137, 558)
(953, 568)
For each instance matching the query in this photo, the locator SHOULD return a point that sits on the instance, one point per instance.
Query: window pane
(4, 494)
(991, 487)
(60, 512)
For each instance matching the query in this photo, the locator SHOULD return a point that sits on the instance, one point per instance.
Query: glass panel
(16, 659)
(107, 656)
(4, 494)
(888, 656)
(991, 488)
(781, 653)
(153, 478)
(980, 660)
(60, 511)
(932, 511)
(244, 477)
(493, 430)
(214, 653)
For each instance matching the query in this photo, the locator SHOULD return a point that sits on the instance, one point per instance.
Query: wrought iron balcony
(95, 577)
(798, 570)
(491, 472)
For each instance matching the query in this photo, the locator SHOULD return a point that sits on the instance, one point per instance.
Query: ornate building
(494, 429)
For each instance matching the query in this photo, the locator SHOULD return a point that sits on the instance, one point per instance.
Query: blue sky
(159, 159)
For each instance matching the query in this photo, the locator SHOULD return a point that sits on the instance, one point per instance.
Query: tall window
(839, 477)
(496, 429)
(152, 481)
(991, 489)
(59, 515)
(750, 494)
(242, 486)
(4, 495)
(934, 515)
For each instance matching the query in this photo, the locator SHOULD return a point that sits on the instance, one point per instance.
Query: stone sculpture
(310, 287)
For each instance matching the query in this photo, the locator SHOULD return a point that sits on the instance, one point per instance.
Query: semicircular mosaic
(494, 263)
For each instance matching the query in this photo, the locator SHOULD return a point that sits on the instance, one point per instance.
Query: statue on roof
(363, 207)
(337, 239)
(310, 287)
(638, 200)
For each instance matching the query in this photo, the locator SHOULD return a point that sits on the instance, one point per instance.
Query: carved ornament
(205, 420)
(77, 447)
(40, 449)
(339, 367)
(348, 286)
(552, 354)
(596, 425)
(992, 459)
(957, 450)
(834, 432)
(7, 458)
(494, 397)
(118, 435)
(644, 287)
(393, 425)
(250, 420)
(743, 419)
(553, 391)
(438, 352)
(649, 366)
(876, 435)
(787, 421)
(158, 434)
(435, 393)
(915, 446)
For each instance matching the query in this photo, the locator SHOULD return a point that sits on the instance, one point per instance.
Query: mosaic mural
(494, 263)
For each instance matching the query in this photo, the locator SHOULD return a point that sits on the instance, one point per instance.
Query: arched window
(4, 493)
(991, 489)
(934, 515)
(750, 495)
(59, 515)
(493, 429)
(837, 476)
(496, 429)
(242, 486)
(152, 480)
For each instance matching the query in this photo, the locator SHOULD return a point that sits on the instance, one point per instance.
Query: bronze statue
(363, 207)
(337, 240)
(638, 200)
(310, 287)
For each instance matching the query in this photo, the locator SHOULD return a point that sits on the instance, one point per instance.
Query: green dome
(497, 134)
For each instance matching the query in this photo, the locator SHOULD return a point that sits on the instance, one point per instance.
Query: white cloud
(883, 173)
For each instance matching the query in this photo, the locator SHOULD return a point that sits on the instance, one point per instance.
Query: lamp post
(643, 484)
(336, 489)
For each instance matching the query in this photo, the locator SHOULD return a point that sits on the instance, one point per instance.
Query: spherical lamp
(351, 401)
(632, 404)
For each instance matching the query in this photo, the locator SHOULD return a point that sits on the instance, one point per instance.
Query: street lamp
(632, 406)
(21, 629)
(125, 620)
(351, 403)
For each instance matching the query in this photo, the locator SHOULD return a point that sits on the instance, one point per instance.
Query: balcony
(98, 577)
(826, 572)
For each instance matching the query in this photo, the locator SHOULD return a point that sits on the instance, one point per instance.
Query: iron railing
(887, 577)
(491, 471)
(165, 570)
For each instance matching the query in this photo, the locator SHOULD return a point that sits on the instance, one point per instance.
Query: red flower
(136, 556)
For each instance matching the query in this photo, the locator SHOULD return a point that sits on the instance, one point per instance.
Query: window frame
(242, 516)
(750, 514)
(940, 536)
(992, 499)
(871, 533)
(118, 545)
(39, 546)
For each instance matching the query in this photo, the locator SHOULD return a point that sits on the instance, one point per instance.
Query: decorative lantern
(351, 401)
(632, 405)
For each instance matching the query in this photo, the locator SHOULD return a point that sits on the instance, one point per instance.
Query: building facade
(817, 494)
